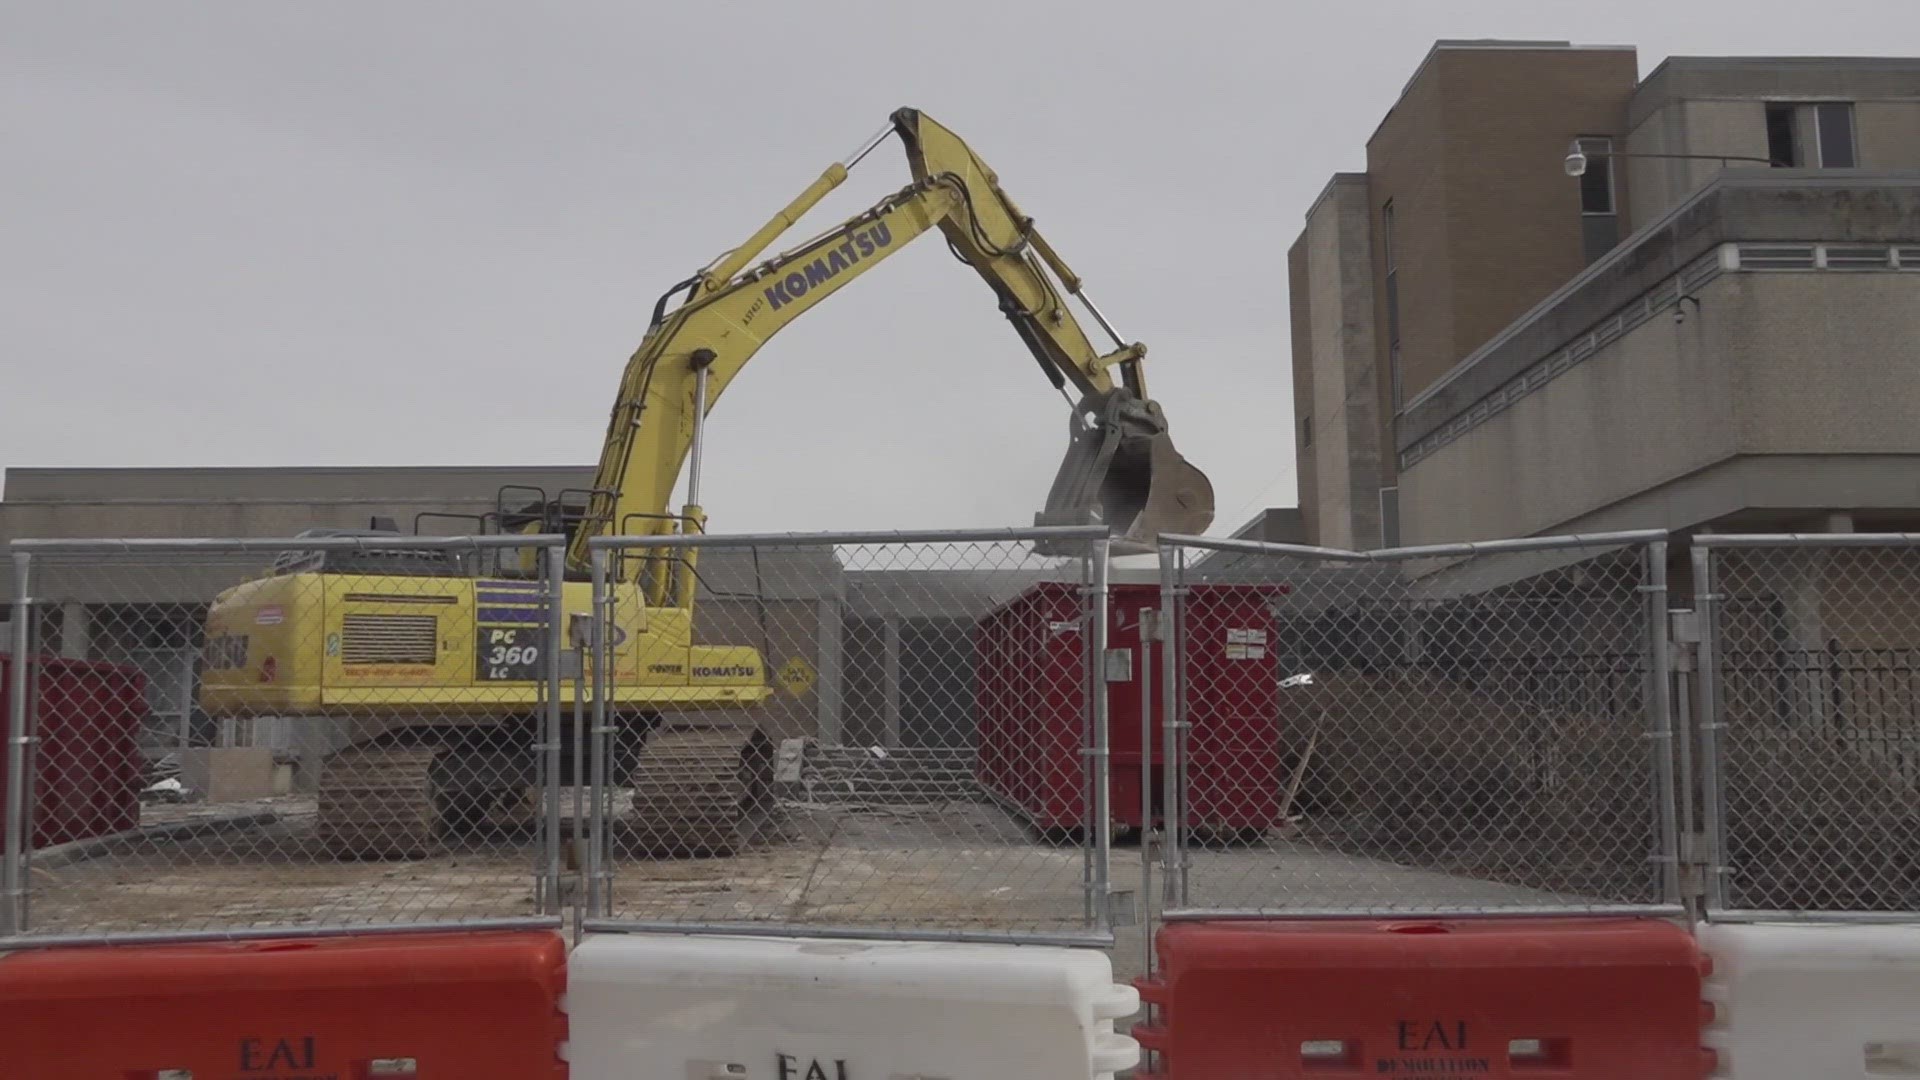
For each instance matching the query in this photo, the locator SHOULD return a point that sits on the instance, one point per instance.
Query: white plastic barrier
(667, 1007)
(1829, 1002)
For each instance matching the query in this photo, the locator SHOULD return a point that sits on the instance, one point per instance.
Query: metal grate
(1777, 257)
(1859, 257)
(389, 639)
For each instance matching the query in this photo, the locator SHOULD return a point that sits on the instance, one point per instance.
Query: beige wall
(1773, 363)
(1403, 168)
(1486, 223)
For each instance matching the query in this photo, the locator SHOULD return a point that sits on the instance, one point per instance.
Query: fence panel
(353, 732)
(1472, 729)
(1814, 755)
(885, 732)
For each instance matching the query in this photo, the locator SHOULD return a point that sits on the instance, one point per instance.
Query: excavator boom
(1121, 467)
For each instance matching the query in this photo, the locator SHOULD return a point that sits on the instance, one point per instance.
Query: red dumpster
(469, 1005)
(87, 765)
(1563, 998)
(1032, 693)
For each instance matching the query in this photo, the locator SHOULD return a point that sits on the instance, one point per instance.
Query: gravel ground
(954, 865)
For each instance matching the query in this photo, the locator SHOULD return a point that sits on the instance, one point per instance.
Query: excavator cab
(1121, 470)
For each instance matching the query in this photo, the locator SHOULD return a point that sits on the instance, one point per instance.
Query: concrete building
(1485, 346)
(876, 641)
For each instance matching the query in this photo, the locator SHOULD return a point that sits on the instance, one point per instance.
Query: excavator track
(378, 803)
(694, 788)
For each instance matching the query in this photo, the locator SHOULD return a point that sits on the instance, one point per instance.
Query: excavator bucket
(1121, 470)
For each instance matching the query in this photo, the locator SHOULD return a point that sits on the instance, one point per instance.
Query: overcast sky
(375, 234)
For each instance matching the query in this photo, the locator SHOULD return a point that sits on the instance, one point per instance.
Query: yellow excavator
(431, 668)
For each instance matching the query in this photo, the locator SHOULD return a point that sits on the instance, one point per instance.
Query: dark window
(1834, 122)
(1390, 517)
(1599, 211)
(1393, 299)
(1306, 430)
(1780, 145)
(1596, 184)
(1393, 307)
(1386, 231)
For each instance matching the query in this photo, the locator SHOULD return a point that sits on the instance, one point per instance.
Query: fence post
(556, 565)
(1660, 710)
(1172, 798)
(1102, 745)
(1152, 628)
(597, 900)
(1683, 635)
(13, 913)
(1707, 605)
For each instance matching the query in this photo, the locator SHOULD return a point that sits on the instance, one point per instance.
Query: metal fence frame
(1711, 722)
(15, 889)
(595, 914)
(1176, 861)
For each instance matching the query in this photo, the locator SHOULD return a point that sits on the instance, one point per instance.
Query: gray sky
(430, 233)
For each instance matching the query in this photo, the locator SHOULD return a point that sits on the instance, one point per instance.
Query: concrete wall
(1336, 381)
(1762, 206)
(242, 502)
(1689, 127)
(1717, 105)
(1306, 466)
(1815, 363)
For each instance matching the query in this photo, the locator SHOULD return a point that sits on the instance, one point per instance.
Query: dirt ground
(956, 865)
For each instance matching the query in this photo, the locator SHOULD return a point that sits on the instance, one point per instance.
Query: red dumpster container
(1032, 686)
(1561, 998)
(88, 764)
(468, 1005)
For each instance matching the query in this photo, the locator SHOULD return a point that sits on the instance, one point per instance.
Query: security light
(1576, 162)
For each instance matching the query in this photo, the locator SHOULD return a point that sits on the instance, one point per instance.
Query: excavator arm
(1120, 468)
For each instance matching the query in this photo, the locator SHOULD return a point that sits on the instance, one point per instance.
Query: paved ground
(955, 865)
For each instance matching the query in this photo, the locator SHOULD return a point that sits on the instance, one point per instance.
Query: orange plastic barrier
(1319, 999)
(466, 1005)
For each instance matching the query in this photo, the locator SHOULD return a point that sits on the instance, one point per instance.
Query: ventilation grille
(1776, 257)
(1859, 257)
(389, 639)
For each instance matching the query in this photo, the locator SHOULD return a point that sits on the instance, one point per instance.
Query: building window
(1817, 135)
(1599, 211)
(1306, 430)
(1780, 136)
(1833, 128)
(1393, 300)
(1390, 517)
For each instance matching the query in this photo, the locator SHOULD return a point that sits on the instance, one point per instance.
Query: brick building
(1710, 328)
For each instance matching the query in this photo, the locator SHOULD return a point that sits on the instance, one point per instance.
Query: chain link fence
(1811, 756)
(881, 732)
(945, 734)
(1470, 729)
(243, 736)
